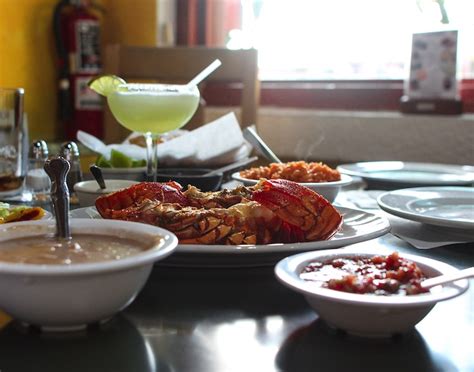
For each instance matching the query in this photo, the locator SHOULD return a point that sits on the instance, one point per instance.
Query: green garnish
(119, 160)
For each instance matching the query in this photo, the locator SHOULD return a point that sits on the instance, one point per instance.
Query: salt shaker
(70, 152)
(37, 181)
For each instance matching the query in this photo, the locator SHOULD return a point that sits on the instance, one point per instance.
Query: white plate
(411, 174)
(440, 206)
(358, 226)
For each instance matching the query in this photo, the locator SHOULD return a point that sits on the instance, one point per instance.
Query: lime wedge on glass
(105, 84)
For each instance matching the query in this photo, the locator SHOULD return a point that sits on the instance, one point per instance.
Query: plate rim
(429, 220)
(453, 169)
(251, 250)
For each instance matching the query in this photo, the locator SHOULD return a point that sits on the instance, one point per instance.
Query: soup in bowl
(66, 285)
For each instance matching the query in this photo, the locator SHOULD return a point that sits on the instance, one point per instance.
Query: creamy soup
(81, 248)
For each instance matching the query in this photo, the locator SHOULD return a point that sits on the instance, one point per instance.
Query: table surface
(242, 319)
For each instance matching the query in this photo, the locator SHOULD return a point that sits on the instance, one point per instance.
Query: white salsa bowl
(365, 314)
(67, 297)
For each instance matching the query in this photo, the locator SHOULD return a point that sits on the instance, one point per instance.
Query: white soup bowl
(67, 297)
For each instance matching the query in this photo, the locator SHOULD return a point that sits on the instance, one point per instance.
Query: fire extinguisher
(77, 37)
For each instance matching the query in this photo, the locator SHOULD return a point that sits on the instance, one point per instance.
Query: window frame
(356, 95)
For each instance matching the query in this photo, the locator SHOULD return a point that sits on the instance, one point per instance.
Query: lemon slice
(105, 84)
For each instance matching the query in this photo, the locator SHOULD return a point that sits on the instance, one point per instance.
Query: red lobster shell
(273, 211)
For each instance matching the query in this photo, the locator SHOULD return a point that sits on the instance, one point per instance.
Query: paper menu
(433, 65)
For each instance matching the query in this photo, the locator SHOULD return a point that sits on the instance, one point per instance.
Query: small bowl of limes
(122, 167)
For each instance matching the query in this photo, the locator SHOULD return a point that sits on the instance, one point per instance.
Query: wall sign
(433, 66)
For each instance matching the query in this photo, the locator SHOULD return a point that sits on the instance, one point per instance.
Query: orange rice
(297, 171)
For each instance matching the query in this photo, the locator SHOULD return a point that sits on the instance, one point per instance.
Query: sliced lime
(138, 163)
(105, 84)
(120, 160)
(103, 162)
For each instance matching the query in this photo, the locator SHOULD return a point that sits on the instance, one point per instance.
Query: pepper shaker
(70, 151)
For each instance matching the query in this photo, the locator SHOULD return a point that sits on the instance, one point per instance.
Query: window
(346, 39)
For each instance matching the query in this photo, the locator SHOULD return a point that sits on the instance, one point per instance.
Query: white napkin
(424, 236)
(417, 234)
(96, 145)
(217, 143)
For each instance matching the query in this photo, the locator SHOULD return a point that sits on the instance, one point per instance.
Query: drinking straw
(204, 73)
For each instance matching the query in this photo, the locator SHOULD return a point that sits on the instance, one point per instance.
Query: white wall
(343, 136)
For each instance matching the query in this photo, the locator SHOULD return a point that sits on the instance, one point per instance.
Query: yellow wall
(131, 22)
(28, 56)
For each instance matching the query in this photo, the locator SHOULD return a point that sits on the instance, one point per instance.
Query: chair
(179, 65)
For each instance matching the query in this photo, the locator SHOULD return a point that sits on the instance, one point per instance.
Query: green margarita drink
(151, 109)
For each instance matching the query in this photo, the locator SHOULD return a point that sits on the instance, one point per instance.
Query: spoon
(448, 278)
(204, 73)
(57, 170)
(257, 142)
(97, 173)
(234, 165)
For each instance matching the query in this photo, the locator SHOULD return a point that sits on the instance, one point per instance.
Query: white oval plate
(440, 206)
(413, 174)
(358, 226)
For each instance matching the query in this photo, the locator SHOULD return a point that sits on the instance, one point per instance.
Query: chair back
(180, 65)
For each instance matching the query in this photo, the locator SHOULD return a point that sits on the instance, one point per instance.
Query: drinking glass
(153, 109)
(13, 142)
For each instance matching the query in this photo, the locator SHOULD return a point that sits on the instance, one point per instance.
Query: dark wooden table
(242, 319)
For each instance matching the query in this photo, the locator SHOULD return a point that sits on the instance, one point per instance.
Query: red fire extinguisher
(77, 36)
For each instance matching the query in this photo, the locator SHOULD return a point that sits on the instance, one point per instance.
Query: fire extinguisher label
(88, 47)
(85, 98)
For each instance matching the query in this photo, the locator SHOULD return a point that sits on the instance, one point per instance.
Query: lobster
(272, 211)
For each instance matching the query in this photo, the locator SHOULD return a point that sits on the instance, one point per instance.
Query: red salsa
(378, 275)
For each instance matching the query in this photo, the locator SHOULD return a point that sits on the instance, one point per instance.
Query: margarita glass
(153, 109)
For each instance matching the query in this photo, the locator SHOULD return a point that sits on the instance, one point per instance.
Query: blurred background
(315, 56)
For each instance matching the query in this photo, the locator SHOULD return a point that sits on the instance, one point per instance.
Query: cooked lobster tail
(273, 211)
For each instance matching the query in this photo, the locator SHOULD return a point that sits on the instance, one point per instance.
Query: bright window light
(347, 39)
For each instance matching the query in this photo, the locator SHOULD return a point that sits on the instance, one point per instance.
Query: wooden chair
(179, 65)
